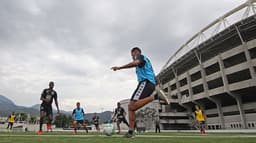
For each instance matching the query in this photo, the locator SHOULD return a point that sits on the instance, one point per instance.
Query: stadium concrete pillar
(236, 97)
(223, 75)
(189, 86)
(177, 84)
(188, 108)
(206, 89)
(169, 89)
(220, 111)
(191, 95)
(249, 63)
(203, 74)
(178, 89)
(241, 109)
(189, 112)
(247, 55)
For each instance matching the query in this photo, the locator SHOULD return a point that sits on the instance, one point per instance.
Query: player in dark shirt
(157, 125)
(47, 97)
(96, 121)
(119, 116)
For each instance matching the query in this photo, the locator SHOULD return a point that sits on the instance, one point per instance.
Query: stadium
(215, 69)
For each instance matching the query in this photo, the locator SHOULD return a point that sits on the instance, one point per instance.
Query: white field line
(137, 136)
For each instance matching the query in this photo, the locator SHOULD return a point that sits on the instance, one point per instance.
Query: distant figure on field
(119, 115)
(11, 120)
(78, 115)
(200, 119)
(157, 125)
(96, 121)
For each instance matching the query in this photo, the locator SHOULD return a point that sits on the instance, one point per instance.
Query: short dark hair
(136, 48)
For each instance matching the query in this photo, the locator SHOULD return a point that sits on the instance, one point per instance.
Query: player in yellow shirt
(11, 120)
(200, 119)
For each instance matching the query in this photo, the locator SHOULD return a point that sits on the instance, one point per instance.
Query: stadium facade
(149, 123)
(215, 69)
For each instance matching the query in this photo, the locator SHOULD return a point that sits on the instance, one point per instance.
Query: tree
(63, 121)
(32, 120)
(21, 116)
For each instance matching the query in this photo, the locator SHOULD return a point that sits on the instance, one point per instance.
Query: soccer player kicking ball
(78, 115)
(146, 86)
(47, 97)
(120, 116)
(200, 119)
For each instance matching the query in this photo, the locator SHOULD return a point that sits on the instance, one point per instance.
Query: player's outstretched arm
(129, 65)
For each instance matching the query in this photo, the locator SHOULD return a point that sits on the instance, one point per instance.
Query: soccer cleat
(40, 132)
(162, 96)
(49, 127)
(204, 131)
(129, 135)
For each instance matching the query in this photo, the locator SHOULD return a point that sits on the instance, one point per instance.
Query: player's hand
(115, 68)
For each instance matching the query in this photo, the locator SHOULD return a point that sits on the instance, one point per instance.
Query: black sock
(40, 126)
(130, 131)
(85, 128)
(156, 97)
(41, 121)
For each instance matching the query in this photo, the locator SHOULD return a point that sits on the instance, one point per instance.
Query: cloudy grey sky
(75, 42)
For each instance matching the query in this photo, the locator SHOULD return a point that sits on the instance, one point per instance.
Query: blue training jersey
(79, 114)
(145, 70)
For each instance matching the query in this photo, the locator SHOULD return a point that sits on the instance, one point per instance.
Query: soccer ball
(108, 129)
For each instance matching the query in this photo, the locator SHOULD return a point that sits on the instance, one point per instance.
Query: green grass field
(67, 137)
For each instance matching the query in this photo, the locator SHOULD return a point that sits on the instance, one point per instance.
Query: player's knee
(131, 107)
(50, 118)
